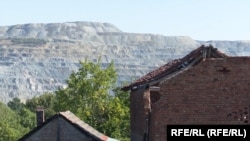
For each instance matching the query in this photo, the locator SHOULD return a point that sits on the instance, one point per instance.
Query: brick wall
(137, 114)
(216, 91)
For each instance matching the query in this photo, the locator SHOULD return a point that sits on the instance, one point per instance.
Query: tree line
(91, 94)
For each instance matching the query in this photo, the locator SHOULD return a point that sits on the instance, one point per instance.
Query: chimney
(39, 116)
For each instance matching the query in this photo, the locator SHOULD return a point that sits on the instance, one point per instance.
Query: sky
(199, 19)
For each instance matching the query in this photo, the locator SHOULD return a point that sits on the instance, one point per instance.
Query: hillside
(37, 58)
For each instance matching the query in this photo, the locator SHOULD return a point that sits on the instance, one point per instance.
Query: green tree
(46, 100)
(123, 99)
(89, 95)
(10, 128)
(27, 118)
(15, 104)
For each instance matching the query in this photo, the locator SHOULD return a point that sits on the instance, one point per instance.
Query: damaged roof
(76, 122)
(192, 58)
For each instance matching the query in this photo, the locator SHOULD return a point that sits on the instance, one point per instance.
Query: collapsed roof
(176, 65)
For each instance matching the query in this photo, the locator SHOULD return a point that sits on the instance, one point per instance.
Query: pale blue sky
(199, 19)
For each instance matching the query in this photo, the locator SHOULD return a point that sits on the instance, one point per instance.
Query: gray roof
(84, 126)
(75, 121)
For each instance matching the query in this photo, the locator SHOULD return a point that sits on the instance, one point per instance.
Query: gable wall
(69, 132)
(47, 132)
(204, 94)
(60, 129)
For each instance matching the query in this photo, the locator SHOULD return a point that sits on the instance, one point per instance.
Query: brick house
(204, 87)
(64, 126)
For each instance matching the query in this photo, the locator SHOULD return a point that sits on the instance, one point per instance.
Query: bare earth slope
(38, 58)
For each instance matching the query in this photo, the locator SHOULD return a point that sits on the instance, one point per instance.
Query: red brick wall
(137, 116)
(216, 91)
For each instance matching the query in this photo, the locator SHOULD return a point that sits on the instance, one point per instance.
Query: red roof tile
(196, 55)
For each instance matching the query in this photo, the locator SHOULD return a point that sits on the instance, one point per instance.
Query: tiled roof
(193, 58)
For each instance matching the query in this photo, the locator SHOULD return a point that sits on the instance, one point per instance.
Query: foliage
(123, 97)
(88, 96)
(10, 128)
(46, 101)
(15, 104)
(91, 95)
(27, 118)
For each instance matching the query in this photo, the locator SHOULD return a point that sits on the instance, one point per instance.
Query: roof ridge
(177, 64)
(75, 121)
(83, 125)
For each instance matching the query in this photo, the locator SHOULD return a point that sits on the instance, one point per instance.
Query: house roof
(73, 119)
(76, 122)
(174, 66)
